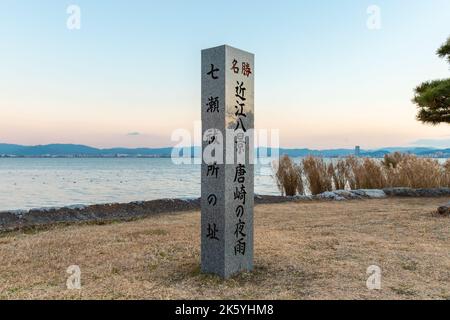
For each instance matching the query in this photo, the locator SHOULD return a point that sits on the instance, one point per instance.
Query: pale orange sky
(321, 76)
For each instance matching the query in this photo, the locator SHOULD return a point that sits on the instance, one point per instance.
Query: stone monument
(227, 174)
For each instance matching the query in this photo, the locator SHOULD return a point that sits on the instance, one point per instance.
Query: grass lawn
(304, 250)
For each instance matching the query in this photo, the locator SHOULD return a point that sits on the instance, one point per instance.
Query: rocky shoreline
(18, 219)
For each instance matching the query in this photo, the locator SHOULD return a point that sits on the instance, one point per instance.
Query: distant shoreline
(2, 156)
(85, 156)
(83, 151)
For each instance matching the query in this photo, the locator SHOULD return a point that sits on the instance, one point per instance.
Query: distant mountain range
(376, 153)
(74, 150)
(67, 150)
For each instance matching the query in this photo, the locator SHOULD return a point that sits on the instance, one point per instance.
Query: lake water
(27, 183)
(40, 182)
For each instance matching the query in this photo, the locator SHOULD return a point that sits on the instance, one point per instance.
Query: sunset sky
(131, 75)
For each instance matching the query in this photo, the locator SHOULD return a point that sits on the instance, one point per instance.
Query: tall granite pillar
(227, 175)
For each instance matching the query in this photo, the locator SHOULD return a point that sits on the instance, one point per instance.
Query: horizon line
(195, 146)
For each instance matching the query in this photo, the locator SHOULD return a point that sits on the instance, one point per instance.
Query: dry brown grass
(415, 172)
(446, 178)
(366, 173)
(319, 175)
(305, 250)
(391, 160)
(340, 172)
(395, 170)
(288, 176)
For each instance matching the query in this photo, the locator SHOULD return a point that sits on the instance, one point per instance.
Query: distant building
(357, 151)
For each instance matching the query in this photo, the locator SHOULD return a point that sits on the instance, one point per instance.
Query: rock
(18, 213)
(424, 192)
(444, 210)
(266, 199)
(400, 192)
(348, 194)
(373, 193)
(76, 207)
(302, 197)
(359, 193)
(329, 195)
(434, 192)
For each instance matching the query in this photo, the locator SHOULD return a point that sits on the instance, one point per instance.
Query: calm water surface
(27, 183)
(33, 183)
